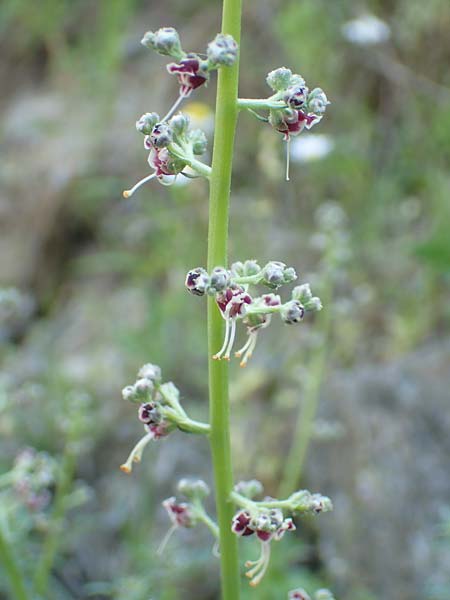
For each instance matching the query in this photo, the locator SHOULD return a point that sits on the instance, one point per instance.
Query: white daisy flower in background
(366, 30)
(310, 147)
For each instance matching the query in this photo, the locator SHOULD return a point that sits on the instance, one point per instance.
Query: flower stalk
(220, 181)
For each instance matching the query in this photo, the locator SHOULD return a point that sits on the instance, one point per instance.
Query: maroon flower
(190, 74)
(159, 430)
(179, 513)
(240, 523)
(232, 301)
(148, 413)
(295, 123)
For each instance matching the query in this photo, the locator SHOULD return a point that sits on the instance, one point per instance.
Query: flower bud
(129, 394)
(222, 50)
(276, 273)
(317, 101)
(179, 124)
(314, 304)
(219, 281)
(251, 268)
(147, 122)
(150, 372)
(249, 489)
(237, 269)
(143, 389)
(302, 293)
(198, 141)
(193, 488)
(279, 79)
(296, 96)
(165, 41)
(292, 312)
(197, 281)
(161, 135)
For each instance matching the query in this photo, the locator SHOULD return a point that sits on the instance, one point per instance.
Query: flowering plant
(173, 146)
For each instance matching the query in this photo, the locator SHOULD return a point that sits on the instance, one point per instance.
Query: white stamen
(288, 156)
(231, 342)
(136, 453)
(240, 352)
(128, 193)
(175, 105)
(250, 349)
(165, 539)
(265, 558)
(218, 356)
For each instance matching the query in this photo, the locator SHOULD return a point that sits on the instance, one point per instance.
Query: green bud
(251, 268)
(302, 293)
(249, 489)
(323, 594)
(193, 488)
(165, 41)
(222, 50)
(279, 79)
(199, 142)
(179, 124)
(147, 122)
(151, 372)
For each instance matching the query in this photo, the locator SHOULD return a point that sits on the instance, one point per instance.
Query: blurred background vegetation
(92, 288)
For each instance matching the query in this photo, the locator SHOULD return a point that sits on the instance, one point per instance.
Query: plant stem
(293, 466)
(11, 568)
(220, 181)
(50, 547)
(260, 104)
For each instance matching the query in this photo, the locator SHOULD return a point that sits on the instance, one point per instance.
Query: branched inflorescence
(159, 410)
(172, 145)
(230, 288)
(292, 108)
(267, 521)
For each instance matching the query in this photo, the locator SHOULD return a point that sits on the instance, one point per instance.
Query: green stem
(197, 165)
(50, 547)
(293, 466)
(260, 104)
(11, 568)
(220, 182)
(190, 426)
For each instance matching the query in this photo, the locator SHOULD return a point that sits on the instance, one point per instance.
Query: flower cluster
(172, 145)
(191, 69)
(188, 514)
(230, 288)
(159, 410)
(32, 476)
(303, 108)
(266, 519)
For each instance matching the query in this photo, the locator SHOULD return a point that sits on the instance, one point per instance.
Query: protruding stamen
(136, 453)
(250, 349)
(165, 539)
(128, 193)
(218, 356)
(174, 107)
(288, 156)
(240, 352)
(259, 570)
(231, 342)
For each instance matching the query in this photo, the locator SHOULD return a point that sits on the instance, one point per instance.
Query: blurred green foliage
(389, 170)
